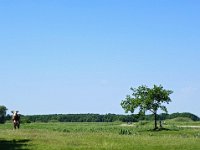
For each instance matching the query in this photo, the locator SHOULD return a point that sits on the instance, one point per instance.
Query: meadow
(177, 135)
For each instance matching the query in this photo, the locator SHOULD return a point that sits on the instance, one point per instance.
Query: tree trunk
(155, 119)
(160, 124)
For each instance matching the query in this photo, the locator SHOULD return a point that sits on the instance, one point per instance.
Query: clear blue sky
(82, 56)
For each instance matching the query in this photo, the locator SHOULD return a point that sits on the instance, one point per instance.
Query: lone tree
(147, 99)
(2, 114)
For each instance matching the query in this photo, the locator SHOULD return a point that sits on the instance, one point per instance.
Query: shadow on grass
(13, 144)
(163, 129)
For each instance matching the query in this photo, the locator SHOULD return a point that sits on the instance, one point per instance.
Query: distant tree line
(92, 117)
(100, 118)
(165, 116)
(78, 118)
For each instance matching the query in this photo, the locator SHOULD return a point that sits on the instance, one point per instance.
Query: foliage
(3, 110)
(185, 114)
(182, 119)
(98, 117)
(164, 116)
(147, 99)
(79, 118)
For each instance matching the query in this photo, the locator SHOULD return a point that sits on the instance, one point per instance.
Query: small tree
(2, 114)
(147, 99)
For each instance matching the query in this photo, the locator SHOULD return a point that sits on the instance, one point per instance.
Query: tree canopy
(147, 99)
(3, 110)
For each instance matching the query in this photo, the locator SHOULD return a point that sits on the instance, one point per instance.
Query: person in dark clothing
(16, 119)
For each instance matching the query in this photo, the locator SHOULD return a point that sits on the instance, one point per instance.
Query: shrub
(125, 132)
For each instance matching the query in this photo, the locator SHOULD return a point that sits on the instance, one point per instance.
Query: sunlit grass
(56, 136)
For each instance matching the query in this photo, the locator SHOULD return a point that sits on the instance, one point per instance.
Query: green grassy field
(116, 136)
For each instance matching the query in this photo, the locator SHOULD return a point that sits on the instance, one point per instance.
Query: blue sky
(83, 56)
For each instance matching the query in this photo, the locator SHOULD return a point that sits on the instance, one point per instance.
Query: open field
(116, 136)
